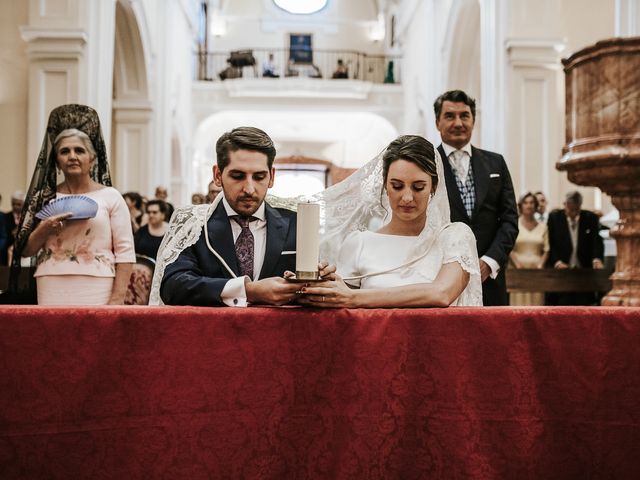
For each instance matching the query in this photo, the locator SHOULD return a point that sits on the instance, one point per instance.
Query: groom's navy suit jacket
(494, 220)
(197, 277)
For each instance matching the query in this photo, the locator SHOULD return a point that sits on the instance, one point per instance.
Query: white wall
(342, 25)
(13, 100)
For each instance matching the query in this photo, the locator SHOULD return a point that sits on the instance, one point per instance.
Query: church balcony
(316, 64)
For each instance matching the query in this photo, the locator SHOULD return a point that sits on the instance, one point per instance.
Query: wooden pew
(4, 277)
(518, 280)
(553, 280)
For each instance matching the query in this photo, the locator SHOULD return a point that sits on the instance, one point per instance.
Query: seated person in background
(419, 258)
(531, 248)
(235, 251)
(574, 242)
(291, 69)
(134, 204)
(341, 70)
(315, 71)
(162, 194)
(213, 191)
(269, 68)
(198, 199)
(148, 238)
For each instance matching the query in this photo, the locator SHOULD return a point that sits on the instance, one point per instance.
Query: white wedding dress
(348, 207)
(364, 254)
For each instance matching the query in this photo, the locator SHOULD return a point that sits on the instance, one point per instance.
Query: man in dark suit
(480, 191)
(4, 237)
(10, 225)
(574, 242)
(256, 241)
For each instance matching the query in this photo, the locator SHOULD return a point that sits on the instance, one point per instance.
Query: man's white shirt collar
(259, 214)
(448, 149)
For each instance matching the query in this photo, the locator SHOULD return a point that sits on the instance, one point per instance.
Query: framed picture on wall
(300, 48)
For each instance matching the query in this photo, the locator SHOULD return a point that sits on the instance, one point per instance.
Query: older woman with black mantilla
(83, 261)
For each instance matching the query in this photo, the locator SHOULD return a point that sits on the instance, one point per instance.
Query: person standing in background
(83, 261)
(531, 249)
(11, 222)
(541, 212)
(574, 242)
(480, 191)
(4, 237)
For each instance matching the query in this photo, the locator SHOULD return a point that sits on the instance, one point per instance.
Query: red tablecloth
(492, 393)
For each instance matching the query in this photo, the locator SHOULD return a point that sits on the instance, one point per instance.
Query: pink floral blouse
(91, 247)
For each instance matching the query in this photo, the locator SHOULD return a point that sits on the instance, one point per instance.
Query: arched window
(304, 7)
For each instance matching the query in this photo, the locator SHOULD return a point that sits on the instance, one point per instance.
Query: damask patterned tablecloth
(276, 393)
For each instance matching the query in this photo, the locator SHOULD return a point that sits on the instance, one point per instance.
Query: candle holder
(305, 277)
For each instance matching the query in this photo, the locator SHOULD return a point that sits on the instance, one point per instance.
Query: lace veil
(352, 204)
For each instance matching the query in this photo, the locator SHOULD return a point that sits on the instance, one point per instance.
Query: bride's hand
(326, 271)
(328, 294)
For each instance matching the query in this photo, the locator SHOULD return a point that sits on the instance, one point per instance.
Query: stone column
(627, 18)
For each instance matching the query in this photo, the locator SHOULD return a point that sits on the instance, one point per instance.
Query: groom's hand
(270, 291)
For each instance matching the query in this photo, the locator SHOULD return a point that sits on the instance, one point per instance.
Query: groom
(480, 191)
(256, 241)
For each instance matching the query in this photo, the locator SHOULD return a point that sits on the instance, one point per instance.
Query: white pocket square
(494, 175)
(288, 252)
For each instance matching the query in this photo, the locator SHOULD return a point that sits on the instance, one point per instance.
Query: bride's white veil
(355, 203)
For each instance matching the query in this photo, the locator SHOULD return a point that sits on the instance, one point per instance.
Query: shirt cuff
(234, 294)
(493, 265)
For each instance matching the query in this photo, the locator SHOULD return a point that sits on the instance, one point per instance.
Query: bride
(418, 258)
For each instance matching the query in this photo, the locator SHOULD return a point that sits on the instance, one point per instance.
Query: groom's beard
(247, 204)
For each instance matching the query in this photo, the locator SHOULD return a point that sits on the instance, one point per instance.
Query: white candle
(308, 238)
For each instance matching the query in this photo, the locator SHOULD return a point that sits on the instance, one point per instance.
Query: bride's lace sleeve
(459, 245)
(348, 258)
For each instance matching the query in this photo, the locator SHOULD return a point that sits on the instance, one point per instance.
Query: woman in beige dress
(531, 248)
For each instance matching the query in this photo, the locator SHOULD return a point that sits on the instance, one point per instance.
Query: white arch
(346, 139)
(132, 113)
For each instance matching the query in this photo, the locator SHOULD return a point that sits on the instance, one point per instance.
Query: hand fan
(81, 206)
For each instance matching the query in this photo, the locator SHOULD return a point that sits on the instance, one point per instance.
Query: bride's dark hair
(414, 149)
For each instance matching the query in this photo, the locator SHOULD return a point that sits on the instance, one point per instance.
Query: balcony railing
(211, 66)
